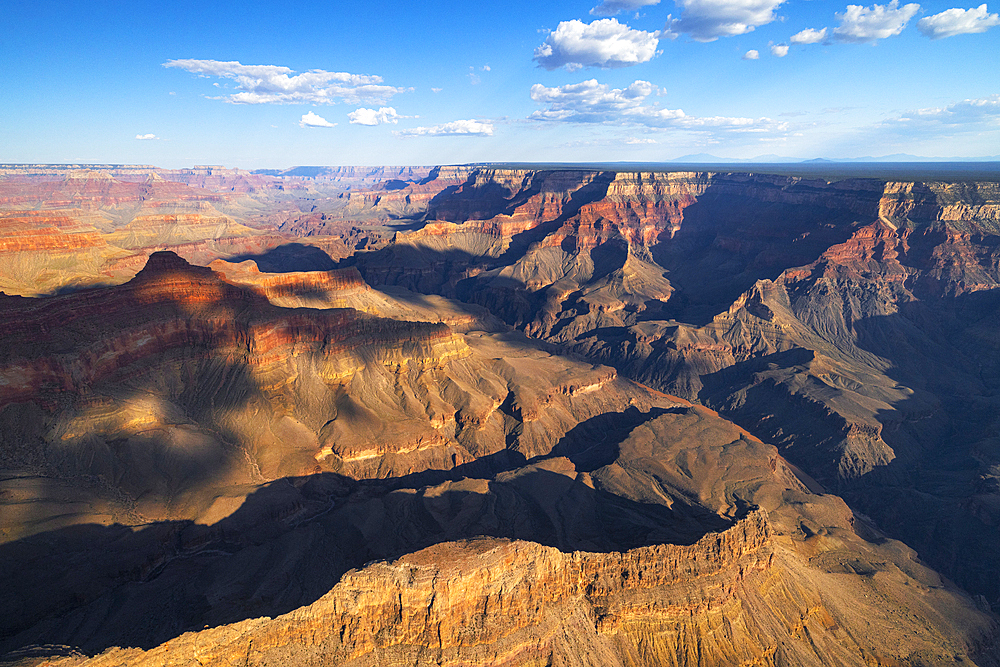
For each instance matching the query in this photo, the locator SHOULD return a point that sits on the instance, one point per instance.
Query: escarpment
(179, 363)
(840, 320)
(467, 415)
(742, 592)
(173, 305)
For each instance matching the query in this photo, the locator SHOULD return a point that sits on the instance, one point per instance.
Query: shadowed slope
(750, 577)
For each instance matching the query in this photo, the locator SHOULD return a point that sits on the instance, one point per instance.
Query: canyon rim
(489, 414)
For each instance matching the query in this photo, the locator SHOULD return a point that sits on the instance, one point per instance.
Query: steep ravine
(455, 447)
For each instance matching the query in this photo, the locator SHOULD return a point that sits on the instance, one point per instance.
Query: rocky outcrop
(37, 231)
(272, 391)
(310, 463)
(543, 602)
(794, 585)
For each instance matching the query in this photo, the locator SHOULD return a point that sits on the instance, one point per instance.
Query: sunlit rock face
(505, 581)
(465, 415)
(847, 322)
(179, 353)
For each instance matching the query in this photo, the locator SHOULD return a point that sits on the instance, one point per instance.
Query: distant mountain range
(705, 158)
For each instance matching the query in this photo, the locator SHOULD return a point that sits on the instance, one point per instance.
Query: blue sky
(264, 84)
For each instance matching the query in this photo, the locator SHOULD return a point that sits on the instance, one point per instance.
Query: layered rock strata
(795, 585)
(330, 462)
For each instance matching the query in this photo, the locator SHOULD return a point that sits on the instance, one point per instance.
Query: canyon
(497, 415)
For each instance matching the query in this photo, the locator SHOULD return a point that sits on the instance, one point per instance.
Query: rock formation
(465, 416)
(793, 586)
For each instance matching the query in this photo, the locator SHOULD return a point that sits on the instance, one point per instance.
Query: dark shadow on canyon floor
(940, 493)
(93, 587)
(289, 258)
(727, 242)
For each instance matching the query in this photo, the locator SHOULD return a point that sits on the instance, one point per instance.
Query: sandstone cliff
(415, 441)
(841, 320)
(795, 585)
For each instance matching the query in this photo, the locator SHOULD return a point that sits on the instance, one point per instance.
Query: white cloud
(374, 117)
(604, 43)
(436, 90)
(612, 7)
(967, 115)
(312, 120)
(454, 128)
(868, 24)
(486, 68)
(146, 137)
(752, 54)
(957, 21)
(273, 84)
(707, 20)
(593, 102)
(808, 36)
(973, 123)
(634, 140)
(779, 50)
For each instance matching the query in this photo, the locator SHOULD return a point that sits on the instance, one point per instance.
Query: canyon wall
(465, 415)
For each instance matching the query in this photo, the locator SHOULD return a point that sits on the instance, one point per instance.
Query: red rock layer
(38, 231)
(528, 197)
(91, 190)
(66, 343)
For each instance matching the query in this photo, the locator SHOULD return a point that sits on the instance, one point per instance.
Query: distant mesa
(500, 414)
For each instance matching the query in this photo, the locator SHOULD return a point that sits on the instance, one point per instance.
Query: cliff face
(180, 353)
(41, 232)
(655, 605)
(421, 440)
(795, 585)
(843, 321)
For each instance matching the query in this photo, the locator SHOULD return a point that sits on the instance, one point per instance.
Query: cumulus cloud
(374, 117)
(752, 54)
(593, 102)
(868, 24)
(454, 128)
(634, 141)
(971, 122)
(612, 7)
(779, 50)
(808, 36)
(957, 21)
(967, 115)
(604, 43)
(312, 120)
(146, 137)
(707, 20)
(273, 84)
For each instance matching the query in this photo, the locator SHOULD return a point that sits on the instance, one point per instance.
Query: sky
(258, 84)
